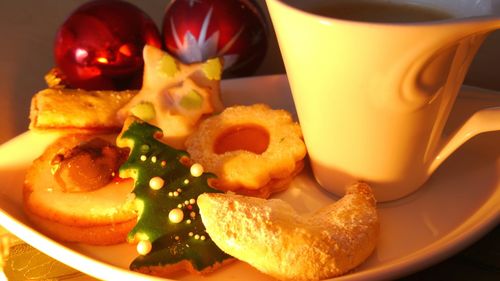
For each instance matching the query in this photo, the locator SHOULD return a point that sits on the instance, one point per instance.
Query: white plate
(459, 204)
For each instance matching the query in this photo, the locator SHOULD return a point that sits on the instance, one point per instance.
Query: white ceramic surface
(373, 98)
(459, 203)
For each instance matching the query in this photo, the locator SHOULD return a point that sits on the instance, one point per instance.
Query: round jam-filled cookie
(253, 150)
(72, 193)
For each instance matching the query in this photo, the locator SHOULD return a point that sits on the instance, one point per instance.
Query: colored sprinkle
(203, 237)
(191, 234)
(197, 237)
(177, 237)
(143, 157)
(186, 181)
(156, 183)
(192, 215)
(144, 148)
(176, 193)
(192, 201)
(153, 159)
(188, 221)
(179, 206)
(163, 163)
(176, 215)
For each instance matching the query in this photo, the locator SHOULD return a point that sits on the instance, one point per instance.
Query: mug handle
(485, 120)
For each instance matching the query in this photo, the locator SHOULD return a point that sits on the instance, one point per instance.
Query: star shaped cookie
(175, 96)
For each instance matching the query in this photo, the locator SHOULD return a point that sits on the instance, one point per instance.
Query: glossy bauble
(196, 30)
(99, 46)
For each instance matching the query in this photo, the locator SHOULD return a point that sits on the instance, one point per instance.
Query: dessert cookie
(71, 192)
(175, 96)
(272, 237)
(78, 110)
(169, 233)
(253, 150)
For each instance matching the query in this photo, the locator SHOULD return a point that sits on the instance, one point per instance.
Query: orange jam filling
(88, 166)
(249, 137)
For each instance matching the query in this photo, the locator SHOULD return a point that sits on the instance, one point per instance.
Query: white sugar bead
(156, 183)
(144, 247)
(176, 215)
(196, 170)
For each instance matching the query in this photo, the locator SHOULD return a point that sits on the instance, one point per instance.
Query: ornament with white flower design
(196, 30)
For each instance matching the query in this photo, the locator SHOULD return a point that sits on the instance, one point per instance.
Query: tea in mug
(374, 11)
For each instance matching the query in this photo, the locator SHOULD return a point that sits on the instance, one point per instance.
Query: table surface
(27, 28)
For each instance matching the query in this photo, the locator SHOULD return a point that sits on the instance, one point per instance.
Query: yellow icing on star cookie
(213, 69)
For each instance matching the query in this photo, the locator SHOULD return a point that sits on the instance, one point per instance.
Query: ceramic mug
(373, 98)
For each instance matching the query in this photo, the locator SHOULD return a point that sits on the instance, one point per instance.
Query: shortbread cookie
(78, 110)
(71, 191)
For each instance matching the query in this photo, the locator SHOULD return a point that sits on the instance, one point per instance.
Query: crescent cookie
(272, 237)
(253, 150)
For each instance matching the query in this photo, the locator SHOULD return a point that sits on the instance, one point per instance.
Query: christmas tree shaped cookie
(169, 233)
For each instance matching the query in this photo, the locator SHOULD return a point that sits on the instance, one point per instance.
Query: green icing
(213, 69)
(192, 100)
(168, 65)
(171, 242)
(144, 110)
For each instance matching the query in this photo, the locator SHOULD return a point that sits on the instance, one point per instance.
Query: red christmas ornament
(99, 47)
(196, 30)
